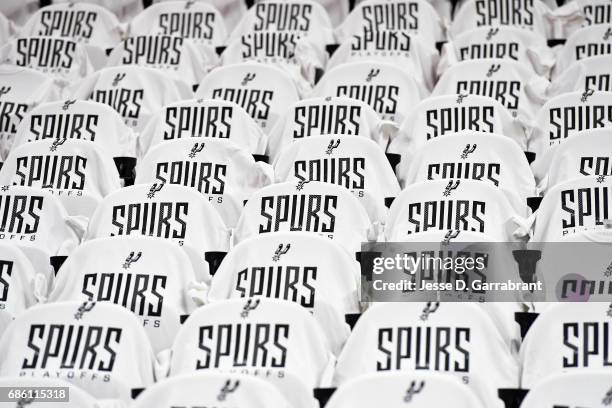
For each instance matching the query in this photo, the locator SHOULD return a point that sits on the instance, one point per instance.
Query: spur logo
(197, 148)
(333, 144)
(493, 69)
(118, 78)
(468, 150)
(56, 143)
(413, 390)
(430, 308)
(248, 306)
(451, 234)
(281, 250)
(248, 78)
(68, 103)
(450, 187)
(156, 187)
(227, 388)
(87, 306)
(372, 74)
(132, 258)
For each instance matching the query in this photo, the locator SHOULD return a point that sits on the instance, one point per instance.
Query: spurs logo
(188, 4)
(607, 399)
(601, 178)
(228, 388)
(608, 271)
(84, 308)
(450, 187)
(491, 33)
(607, 34)
(248, 306)
(197, 148)
(68, 103)
(131, 259)
(300, 184)
(56, 143)
(413, 390)
(23, 401)
(281, 250)
(586, 94)
(154, 189)
(430, 308)
(331, 146)
(118, 78)
(461, 97)
(609, 312)
(493, 69)
(468, 150)
(373, 73)
(450, 234)
(5, 90)
(247, 78)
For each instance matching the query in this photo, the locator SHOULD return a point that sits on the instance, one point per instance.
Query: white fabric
(60, 58)
(73, 170)
(510, 82)
(136, 93)
(207, 388)
(582, 154)
(203, 118)
(560, 390)
(586, 42)
(225, 174)
(232, 10)
(399, 336)
(488, 157)
(395, 390)
(327, 116)
(355, 163)
(77, 119)
(566, 338)
(17, 280)
(292, 338)
(585, 74)
(82, 22)
(263, 91)
(101, 349)
(180, 58)
(532, 15)
(398, 47)
(323, 208)
(567, 114)
(415, 16)
(23, 89)
(280, 265)
(169, 211)
(464, 205)
(573, 206)
(125, 10)
(389, 90)
(505, 42)
(149, 276)
(198, 21)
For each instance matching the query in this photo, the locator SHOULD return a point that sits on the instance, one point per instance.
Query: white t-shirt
(232, 10)
(199, 21)
(99, 347)
(415, 16)
(77, 119)
(292, 339)
(136, 93)
(464, 205)
(327, 116)
(177, 213)
(584, 74)
(151, 277)
(264, 91)
(355, 163)
(487, 157)
(399, 336)
(85, 23)
(587, 42)
(389, 90)
(123, 9)
(73, 170)
(180, 58)
(322, 208)
(562, 390)
(18, 280)
(203, 118)
(573, 206)
(448, 114)
(221, 171)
